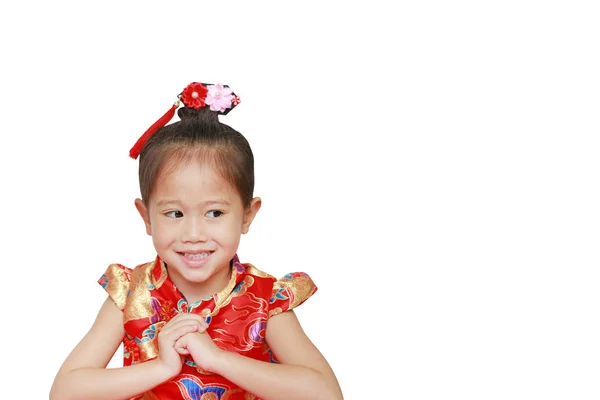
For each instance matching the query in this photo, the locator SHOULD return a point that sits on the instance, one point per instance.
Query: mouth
(196, 256)
(195, 259)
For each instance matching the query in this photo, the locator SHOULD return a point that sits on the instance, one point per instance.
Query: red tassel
(137, 147)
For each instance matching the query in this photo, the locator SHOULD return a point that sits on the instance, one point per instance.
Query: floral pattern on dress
(237, 317)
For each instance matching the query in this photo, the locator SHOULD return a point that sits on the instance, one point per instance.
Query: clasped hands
(184, 335)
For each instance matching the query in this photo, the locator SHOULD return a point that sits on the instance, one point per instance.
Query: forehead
(193, 182)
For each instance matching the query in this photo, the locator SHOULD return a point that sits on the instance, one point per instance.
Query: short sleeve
(116, 283)
(290, 291)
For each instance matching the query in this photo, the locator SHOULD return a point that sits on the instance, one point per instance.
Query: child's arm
(303, 373)
(83, 375)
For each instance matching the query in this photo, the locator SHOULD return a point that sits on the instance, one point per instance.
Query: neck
(195, 291)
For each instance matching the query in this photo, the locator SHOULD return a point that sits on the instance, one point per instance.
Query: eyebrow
(162, 203)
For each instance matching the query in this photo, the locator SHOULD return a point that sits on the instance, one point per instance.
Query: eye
(174, 214)
(214, 213)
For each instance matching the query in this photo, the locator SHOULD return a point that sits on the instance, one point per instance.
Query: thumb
(181, 348)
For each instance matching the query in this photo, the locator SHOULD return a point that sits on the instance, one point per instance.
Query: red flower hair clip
(194, 95)
(219, 98)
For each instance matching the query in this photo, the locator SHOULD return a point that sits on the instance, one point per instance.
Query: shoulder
(115, 275)
(143, 269)
(283, 294)
(290, 291)
(251, 270)
(121, 273)
(117, 280)
(296, 281)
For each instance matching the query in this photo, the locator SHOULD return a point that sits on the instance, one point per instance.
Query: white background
(433, 167)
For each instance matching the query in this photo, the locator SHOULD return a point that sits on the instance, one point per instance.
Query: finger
(181, 318)
(173, 335)
(180, 348)
(185, 322)
(188, 316)
(182, 351)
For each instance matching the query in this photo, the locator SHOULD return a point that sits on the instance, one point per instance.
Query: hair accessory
(219, 98)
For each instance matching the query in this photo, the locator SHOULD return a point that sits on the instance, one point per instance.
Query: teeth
(198, 256)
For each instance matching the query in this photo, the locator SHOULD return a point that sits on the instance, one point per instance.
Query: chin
(196, 275)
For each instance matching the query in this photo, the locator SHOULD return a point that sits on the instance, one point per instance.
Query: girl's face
(196, 219)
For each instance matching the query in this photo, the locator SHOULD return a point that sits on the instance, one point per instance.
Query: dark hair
(199, 135)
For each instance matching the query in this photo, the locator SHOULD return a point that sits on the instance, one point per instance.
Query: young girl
(195, 322)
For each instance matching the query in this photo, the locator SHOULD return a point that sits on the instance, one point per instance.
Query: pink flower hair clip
(219, 98)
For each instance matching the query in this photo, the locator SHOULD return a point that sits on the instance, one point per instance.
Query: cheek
(163, 232)
(229, 232)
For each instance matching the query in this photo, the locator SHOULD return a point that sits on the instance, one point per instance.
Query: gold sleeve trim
(140, 305)
(118, 284)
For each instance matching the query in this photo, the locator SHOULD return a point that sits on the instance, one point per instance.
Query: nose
(193, 230)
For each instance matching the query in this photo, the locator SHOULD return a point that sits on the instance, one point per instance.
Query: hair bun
(203, 114)
(202, 102)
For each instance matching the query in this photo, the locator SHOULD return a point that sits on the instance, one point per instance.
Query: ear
(250, 213)
(143, 210)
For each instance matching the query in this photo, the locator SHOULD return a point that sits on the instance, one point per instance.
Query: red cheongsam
(237, 319)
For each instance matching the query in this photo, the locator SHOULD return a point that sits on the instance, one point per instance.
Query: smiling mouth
(196, 256)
